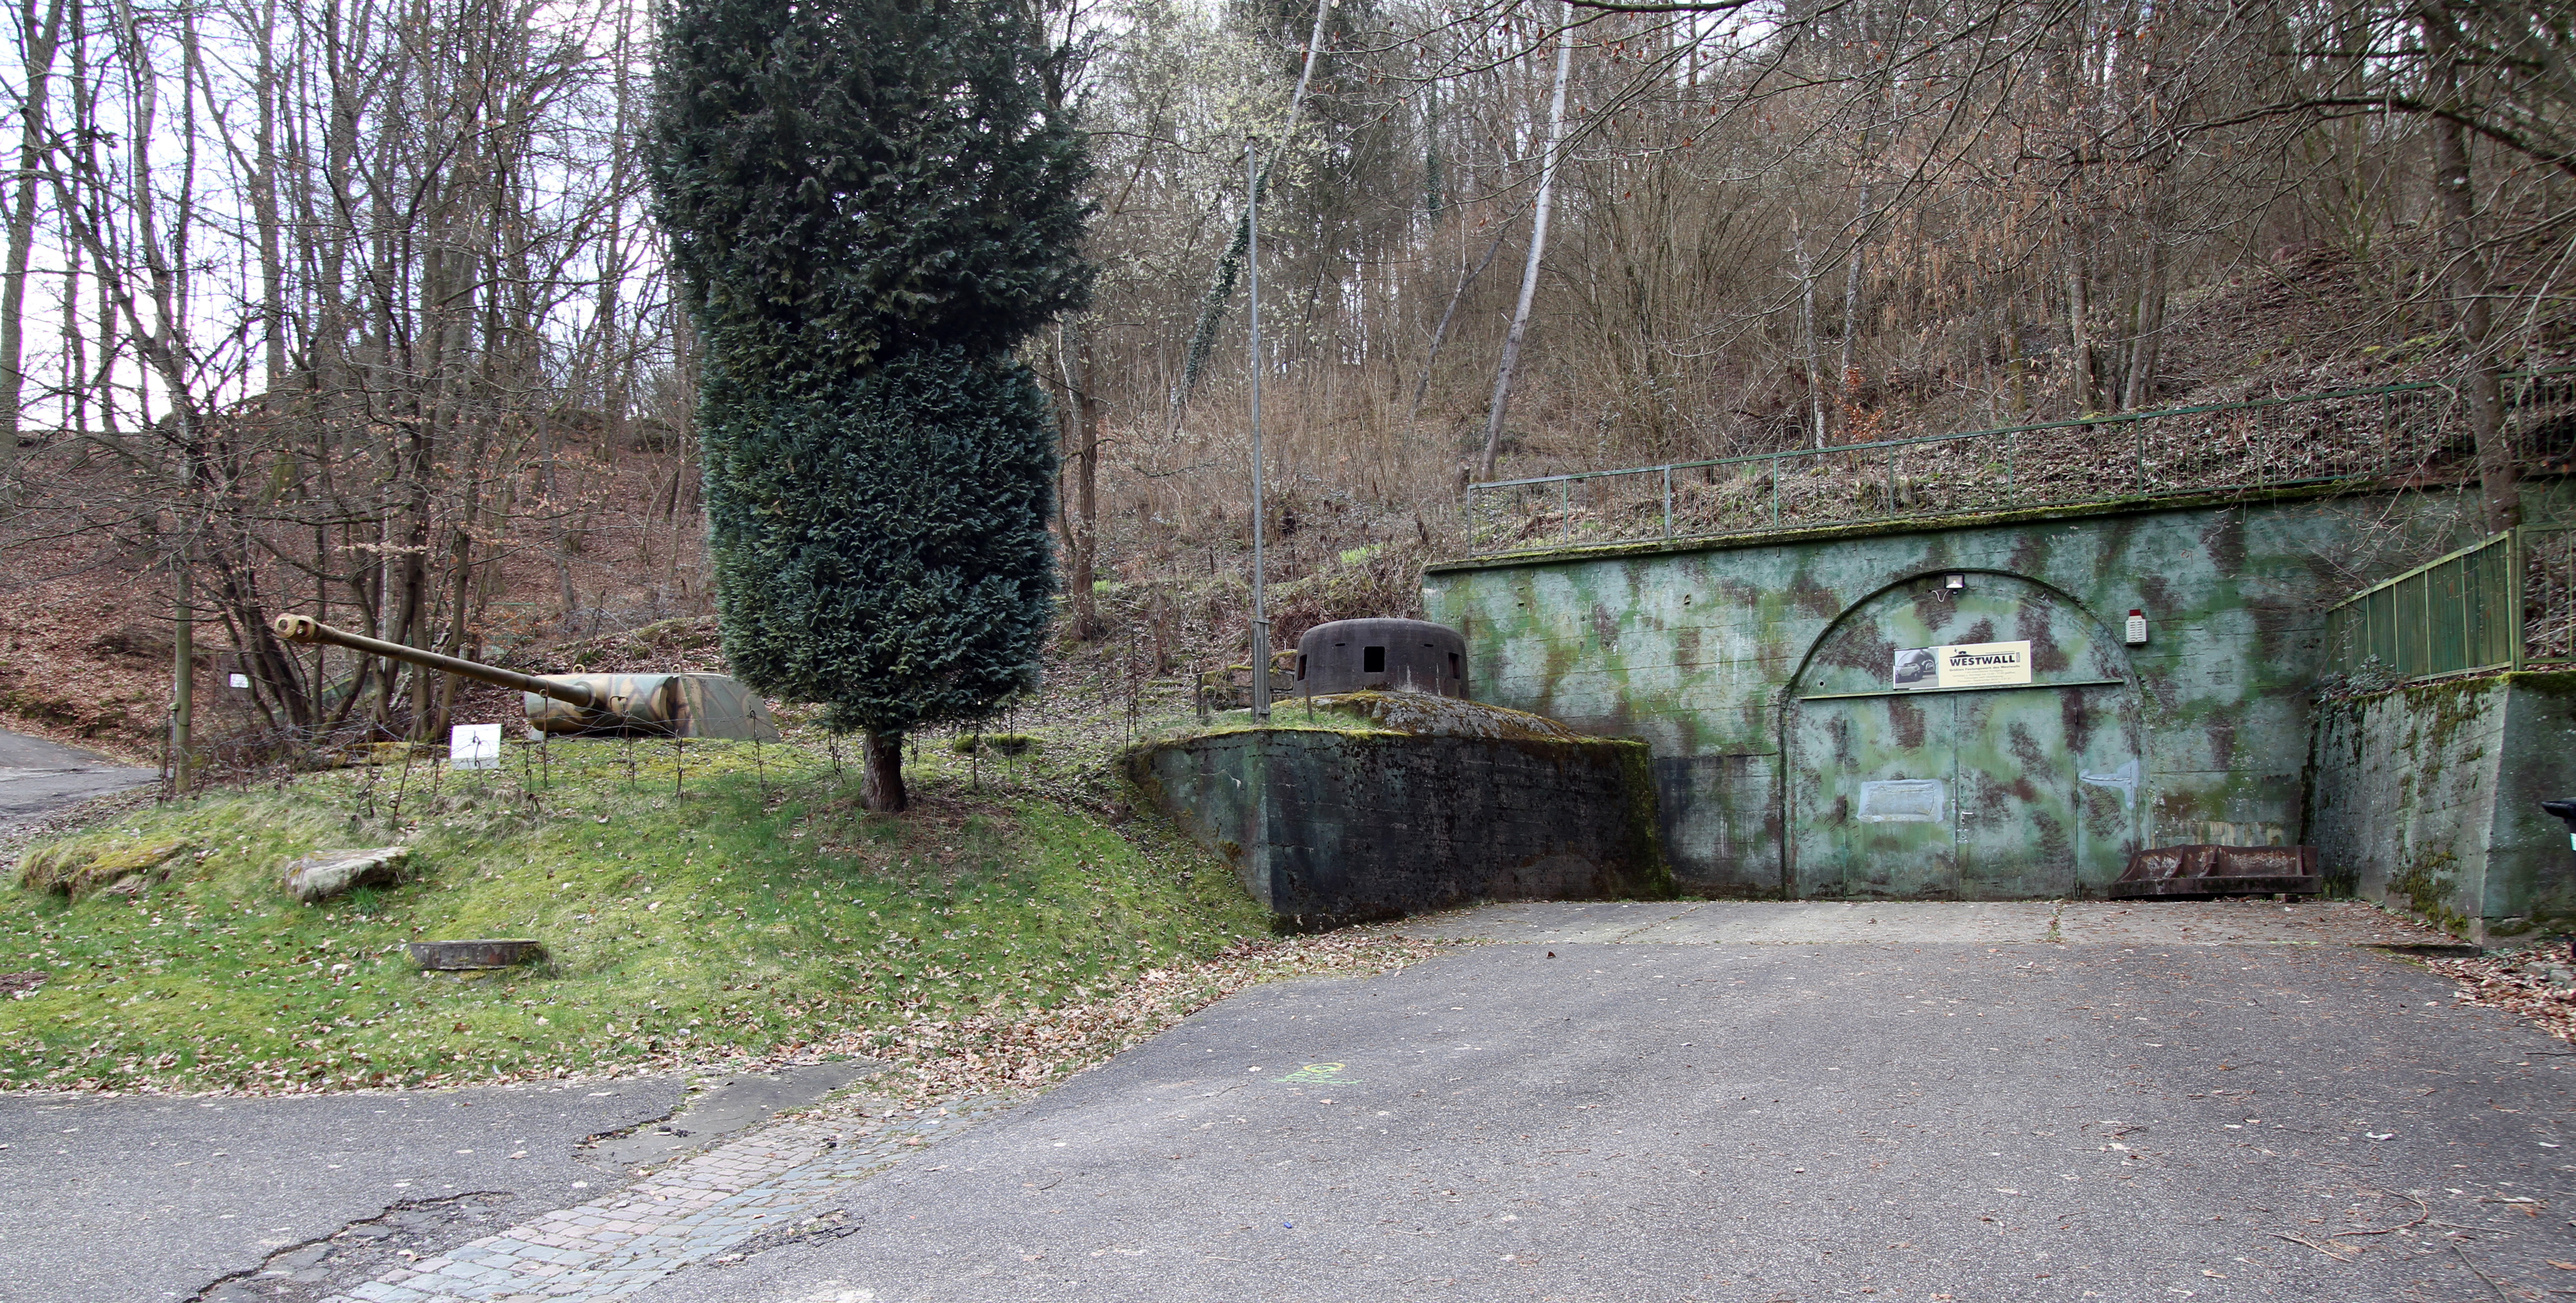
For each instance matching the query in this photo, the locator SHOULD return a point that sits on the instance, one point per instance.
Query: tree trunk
(2147, 343)
(41, 39)
(1221, 293)
(1537, 246)
(1441, 333)
(2079, 333)
(1089, 416)
(2016, 368)
(264, 210)
(183, 674)
(881, 773)
(1807, 350)
(2455, 193)
(1851, 282)
(1078, 509)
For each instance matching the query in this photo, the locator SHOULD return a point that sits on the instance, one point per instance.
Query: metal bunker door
(2009, 792)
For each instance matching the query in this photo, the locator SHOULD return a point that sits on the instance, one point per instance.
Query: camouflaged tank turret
(653, 705)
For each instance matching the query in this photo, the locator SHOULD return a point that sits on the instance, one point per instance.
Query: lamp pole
(1252, 278)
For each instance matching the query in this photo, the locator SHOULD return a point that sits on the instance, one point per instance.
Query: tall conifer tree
(870, 204)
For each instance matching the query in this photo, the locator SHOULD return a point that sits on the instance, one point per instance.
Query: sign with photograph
(1963, 665)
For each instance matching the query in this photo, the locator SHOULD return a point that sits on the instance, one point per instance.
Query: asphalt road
(37, 776)
(1985, 1117)
(156, 1198)
(1614, 1102)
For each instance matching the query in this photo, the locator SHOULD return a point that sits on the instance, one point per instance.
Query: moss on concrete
(1423, 803)
(1385, 714)
(2123, 506)
(2427, 796)
(2429, 884)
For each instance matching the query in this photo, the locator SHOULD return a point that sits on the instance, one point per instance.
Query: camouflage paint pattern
(2014, 815)
(1703, 650)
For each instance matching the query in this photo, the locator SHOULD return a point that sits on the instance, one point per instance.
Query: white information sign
(474, 746)
(1963, 665)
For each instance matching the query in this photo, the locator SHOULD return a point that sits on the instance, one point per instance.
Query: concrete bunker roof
(2131, 506)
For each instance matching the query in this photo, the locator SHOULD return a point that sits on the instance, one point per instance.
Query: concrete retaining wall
(1332, 826)
(2428, 799)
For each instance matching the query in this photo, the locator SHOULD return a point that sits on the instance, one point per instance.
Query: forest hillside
(366, 315)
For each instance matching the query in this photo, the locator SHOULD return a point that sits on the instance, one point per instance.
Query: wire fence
(2269, 443)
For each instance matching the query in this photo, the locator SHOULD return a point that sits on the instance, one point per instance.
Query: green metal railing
(2505, 602)
(2268, 443)
(2447, 616)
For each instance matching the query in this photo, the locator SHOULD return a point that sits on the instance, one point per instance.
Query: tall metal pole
(1252, 280)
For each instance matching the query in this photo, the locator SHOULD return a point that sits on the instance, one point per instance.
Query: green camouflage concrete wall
(2428, 799)
(1695, 648)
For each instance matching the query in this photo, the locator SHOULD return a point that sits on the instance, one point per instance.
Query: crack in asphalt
(407, 1230)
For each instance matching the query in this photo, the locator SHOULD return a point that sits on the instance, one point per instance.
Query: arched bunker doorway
(1988, 790)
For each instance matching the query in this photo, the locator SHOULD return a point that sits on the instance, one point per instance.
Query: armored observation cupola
(1383, 655)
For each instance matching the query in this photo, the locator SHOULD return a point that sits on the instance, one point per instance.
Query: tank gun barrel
(306, 629)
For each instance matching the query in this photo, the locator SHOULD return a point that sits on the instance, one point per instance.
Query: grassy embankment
(752, 909)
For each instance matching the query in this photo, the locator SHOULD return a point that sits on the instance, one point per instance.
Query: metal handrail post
(2513, 595)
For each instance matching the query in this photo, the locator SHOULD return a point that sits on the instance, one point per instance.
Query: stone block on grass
(80, 868)
(325, 874)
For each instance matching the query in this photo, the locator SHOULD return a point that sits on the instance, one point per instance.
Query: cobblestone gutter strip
(690, 1212)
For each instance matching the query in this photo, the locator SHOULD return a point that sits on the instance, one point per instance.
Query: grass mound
(695, 903)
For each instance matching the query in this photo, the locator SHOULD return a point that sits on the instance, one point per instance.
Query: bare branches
(377, 277)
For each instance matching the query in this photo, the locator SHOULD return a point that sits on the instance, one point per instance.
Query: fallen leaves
(1025, 1049)
(2515, 981)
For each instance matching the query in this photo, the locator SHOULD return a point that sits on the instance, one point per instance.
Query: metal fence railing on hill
(2546, 576)
(2505, 602)
(2349, 434)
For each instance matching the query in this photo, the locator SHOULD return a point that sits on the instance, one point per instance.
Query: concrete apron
(1761, 1101)
(2127, 923)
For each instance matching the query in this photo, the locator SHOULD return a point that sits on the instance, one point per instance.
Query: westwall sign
(1963, 665)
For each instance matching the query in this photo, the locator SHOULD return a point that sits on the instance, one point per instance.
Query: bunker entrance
(1963, 736)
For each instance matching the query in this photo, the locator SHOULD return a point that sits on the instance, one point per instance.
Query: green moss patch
(1388, 714)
